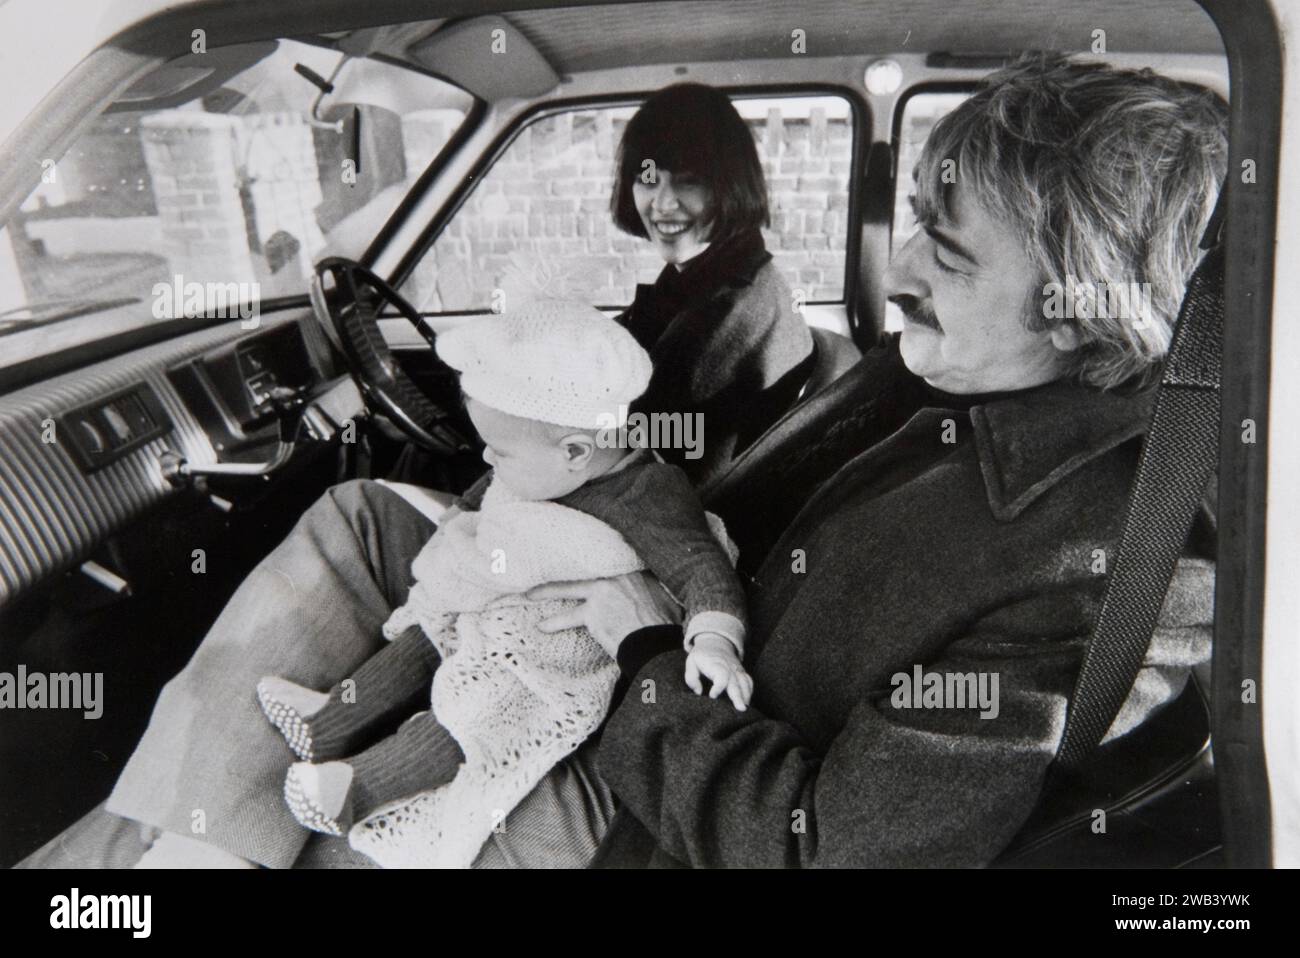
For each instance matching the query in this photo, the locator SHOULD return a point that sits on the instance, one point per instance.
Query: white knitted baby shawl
(516, 699)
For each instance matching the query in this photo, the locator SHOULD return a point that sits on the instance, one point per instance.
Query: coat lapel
(1026, 445)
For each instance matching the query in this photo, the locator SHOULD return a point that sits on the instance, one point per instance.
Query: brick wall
(283, 185)
(548, 197)
(226, 185)
(192, 161)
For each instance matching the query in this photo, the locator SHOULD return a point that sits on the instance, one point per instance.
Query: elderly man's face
(965, 287)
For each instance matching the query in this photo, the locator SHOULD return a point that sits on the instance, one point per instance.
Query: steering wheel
(351, 309)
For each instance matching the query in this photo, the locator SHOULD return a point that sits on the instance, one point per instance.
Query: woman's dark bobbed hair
(690, 128)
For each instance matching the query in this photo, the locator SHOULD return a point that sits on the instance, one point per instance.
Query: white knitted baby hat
(552, 360)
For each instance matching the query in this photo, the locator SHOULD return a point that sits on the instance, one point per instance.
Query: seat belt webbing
(1179, 456)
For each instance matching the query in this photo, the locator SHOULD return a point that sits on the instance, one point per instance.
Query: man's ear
(578, 450)
(1065, 337)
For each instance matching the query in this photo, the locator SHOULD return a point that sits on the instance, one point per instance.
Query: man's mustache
(917, 311)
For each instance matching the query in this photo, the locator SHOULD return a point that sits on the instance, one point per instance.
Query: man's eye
(944, 267)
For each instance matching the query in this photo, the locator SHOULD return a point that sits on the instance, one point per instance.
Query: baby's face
(529, 457)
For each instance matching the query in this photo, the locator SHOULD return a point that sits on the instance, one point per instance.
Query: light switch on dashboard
(117, 422)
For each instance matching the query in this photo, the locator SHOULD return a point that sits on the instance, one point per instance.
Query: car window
(235, 193)
(546, 199)
(921, 111)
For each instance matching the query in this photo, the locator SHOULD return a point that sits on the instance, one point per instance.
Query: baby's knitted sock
(420, 755)
(321, 727)
(329, 797)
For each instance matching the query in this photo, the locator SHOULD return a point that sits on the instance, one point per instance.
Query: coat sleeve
(660, 516)
(896, 787)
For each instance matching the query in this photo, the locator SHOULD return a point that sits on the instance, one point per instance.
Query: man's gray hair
(1110, 175)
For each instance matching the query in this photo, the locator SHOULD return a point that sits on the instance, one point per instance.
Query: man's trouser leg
(310, 612)
(210, 764)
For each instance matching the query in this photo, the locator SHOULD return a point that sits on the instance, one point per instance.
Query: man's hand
(612, 609)
(715, 658)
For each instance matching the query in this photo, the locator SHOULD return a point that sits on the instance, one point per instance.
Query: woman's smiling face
(675, 210)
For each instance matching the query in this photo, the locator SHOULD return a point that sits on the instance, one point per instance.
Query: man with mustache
(948, 513)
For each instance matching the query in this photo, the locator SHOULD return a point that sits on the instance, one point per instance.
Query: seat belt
(1179, 455)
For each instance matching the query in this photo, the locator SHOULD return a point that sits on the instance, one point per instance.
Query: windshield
(219, 203)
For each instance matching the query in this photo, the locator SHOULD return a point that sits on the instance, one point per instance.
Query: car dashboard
(84, 452)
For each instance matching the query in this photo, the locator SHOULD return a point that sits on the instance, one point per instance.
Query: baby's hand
(715, 658)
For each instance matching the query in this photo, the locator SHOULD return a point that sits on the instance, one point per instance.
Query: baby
(509, 701)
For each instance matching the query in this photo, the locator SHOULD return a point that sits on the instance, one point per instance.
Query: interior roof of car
(578, 39)
(592, 38)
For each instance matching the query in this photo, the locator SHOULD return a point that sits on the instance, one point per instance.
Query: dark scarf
(739, 257)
